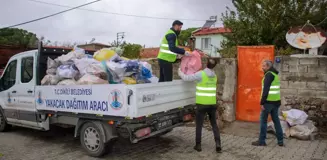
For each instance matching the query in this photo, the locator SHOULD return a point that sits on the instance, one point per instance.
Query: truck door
(8, 91)
(26, 84)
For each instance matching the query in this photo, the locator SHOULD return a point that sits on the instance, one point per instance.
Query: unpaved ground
(26, 144)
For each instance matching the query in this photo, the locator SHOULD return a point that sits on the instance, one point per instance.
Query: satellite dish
(306, 37)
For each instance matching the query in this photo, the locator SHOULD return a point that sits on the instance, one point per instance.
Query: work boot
(218, 148)
(198, 148)
(257, 143)
(281, 144)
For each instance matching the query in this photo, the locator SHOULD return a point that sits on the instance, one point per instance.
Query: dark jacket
(172, 38)
(269, 78)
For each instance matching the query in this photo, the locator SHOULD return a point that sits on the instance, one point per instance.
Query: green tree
(19, 37)
(266, 22)
(185, 36)
(132, 51)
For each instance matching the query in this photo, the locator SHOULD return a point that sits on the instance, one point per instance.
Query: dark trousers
(271, 109)
(202, 110)
(166, 71)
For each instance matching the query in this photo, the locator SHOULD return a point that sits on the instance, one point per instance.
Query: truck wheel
(92, 140)
(3, 124)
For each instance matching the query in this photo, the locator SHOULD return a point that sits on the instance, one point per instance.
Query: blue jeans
(271, 109)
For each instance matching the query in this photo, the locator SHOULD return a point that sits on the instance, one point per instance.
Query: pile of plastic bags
(105, 67)
(295, 124)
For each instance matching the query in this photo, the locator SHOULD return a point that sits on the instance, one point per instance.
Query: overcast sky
(82, 26)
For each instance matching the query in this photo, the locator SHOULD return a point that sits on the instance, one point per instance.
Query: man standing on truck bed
(205, 100)
(168, 52)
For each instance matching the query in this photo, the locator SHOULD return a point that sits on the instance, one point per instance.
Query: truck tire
(4, 126)
(92, 140)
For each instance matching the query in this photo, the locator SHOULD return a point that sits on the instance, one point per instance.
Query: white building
(209, 40)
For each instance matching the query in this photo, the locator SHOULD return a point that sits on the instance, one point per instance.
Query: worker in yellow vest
(206, 101)
(168, 52)
(270, 103)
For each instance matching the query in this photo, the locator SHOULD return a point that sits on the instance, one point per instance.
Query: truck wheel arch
(109, 131)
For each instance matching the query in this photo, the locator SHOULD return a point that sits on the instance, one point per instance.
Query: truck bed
(118, 100)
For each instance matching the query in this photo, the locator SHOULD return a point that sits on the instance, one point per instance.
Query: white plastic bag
(50, 80)
(67, 82)
(285, 127)
(154, 79)
(52, 66)
(95, 69)
(118, 68)
(295, 116)
(77, 53)
(91, 79)
(304, 131)
(83, 63)
(67, 71)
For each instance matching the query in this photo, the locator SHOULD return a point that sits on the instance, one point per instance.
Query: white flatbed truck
(99, 113)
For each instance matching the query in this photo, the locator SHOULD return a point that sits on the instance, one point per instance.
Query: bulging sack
(303, 131)
(191, 64)
(295, 117)
(104, 54)
(91, 79)
(285, 128)
(67, 71)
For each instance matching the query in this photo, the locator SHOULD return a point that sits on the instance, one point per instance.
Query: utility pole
(120, 37)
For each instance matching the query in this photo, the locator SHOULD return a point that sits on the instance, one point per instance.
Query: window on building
(9, 76)
(205, 43)
(27, 69)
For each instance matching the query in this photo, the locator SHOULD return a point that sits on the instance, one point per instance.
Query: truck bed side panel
(89, 99)
(161, 97)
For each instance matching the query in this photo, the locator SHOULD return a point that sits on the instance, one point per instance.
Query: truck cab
(17, 90)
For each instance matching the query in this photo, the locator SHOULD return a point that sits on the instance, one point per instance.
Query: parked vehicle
(99, 113)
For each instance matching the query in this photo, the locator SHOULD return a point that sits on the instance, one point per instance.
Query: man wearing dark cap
(169, 51)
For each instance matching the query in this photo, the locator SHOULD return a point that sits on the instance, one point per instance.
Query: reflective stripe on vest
(274, 90)
(206, 90)
(164, 52)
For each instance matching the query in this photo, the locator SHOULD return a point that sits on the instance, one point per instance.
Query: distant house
(209, 39)
(94, 46)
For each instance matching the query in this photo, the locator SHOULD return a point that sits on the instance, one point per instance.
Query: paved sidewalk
(25, 144)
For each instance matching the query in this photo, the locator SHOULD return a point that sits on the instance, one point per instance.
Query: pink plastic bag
(191, 64)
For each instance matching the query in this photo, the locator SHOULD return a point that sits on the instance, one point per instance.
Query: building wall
(304, 85)
(216, 40)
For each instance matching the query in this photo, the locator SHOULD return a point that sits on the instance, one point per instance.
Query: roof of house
(208, 31)
(98, 44)
(149, 52)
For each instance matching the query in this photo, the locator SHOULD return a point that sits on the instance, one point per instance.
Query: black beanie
(177, 22)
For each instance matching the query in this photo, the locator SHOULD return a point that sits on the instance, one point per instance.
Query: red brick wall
(8, 51)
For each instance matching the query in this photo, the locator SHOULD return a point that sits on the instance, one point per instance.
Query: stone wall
(226, 70)
(304, 85)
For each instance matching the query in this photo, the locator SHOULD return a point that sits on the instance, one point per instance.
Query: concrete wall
(226, 70)
(304, 85)
(216, 40)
